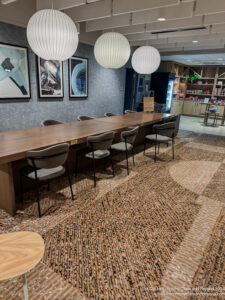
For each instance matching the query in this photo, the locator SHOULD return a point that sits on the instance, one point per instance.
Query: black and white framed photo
(78, 77)
(14, 72)
(50, 78)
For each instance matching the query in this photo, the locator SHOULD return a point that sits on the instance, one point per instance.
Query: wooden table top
(19, 253)
(15, 144)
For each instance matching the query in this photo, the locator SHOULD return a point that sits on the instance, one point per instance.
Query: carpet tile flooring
(158, 233)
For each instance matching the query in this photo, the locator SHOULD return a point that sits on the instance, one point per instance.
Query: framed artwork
(50, 78)
(14, 72)
(78, 77)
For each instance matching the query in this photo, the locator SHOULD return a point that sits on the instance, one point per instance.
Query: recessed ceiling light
(161, 19)
(195, 42)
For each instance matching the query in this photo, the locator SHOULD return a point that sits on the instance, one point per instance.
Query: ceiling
(197, 59)
(202, 21)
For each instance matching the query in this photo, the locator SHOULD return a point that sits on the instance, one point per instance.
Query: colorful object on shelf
(194, 77)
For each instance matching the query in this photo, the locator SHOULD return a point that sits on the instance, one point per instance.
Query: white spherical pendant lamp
(146, 60)
(112, 50)
(52, 35)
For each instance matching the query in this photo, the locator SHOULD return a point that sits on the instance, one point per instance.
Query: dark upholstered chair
(163, 134)
(46, 164)
(127, 140)
(100, 149)
(128, 111)
(84, 118)
(175, 119)
(109, 114)
(50, 122)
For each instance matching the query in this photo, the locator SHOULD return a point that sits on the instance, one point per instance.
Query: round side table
(19, 253)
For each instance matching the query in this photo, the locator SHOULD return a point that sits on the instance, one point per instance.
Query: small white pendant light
(52, 35)
(146, 60)
(112, 50)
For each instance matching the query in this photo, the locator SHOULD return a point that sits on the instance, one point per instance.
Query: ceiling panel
(133, 29)
(204, 7)
(58, 4)
(107, 23)
(210, 37)
(92, 11)
(184, 10)
(175, 24)
(220, 28)
(127, 6)
(61, 4)
(141, 37)
(218, 18)
(185, 33)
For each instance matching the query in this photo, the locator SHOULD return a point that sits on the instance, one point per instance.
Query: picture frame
(50, 78)
(14, 72)
(78, 77)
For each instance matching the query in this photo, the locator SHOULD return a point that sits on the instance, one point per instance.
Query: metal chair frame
(157, 143)
(35, 169)
(93, 161)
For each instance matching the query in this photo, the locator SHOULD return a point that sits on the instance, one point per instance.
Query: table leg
(7, 194)
(25, 289)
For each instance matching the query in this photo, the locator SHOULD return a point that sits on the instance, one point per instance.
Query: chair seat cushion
(121, 146)
(45, 174)
(98, 154)
(160, 138)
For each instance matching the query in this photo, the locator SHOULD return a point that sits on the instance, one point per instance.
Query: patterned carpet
(156, 234)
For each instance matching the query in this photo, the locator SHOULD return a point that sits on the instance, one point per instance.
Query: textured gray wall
(106, 91)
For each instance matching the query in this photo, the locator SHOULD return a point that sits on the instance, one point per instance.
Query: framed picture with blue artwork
(14, 72)
(78, 77)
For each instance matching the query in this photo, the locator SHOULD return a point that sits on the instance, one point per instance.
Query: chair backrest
(50, 122)
(84, 118)
(175, 119)
(128, 111)
(109, 114)
(129, 135)
(166, 129)
(101, 141)
(48, 158)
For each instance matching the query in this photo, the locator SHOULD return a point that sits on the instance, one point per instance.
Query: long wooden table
(15, 144)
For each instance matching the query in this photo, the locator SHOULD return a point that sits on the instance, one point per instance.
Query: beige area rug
(158, 233)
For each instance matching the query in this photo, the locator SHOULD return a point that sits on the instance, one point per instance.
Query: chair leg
(104, 163)
(127, 163)
(173, 148)
(48, 185)
(21, 187)
(38, 197)
(158, 147)
(93, 168)
(144, 147)
(69, 180)
(155, 150)
(76, 164)
(111, 155)
(133, 156)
